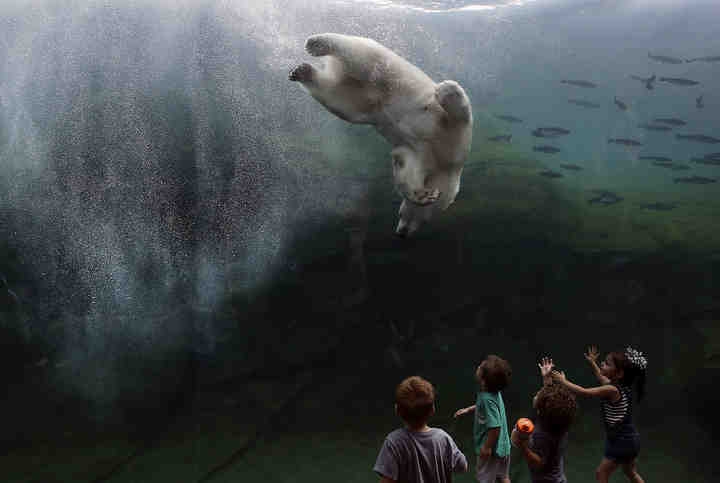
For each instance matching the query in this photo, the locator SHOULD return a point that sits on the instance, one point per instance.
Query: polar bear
(429, 125)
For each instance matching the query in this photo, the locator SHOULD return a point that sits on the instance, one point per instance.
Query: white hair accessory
(636, 358)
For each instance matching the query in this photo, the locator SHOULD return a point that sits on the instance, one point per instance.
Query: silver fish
(546, 149)
(701, 138)
(654, 127)
(655, 158)
(550, 174)
(625, 142)
(504, 137)
(508, 118)
(670, 120)
(659, 206)
(583, 103)
(679, 81)
(664, 59)
(710, 58)
(579, 83)
(695, 180)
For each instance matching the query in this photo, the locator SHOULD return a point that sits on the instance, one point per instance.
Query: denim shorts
(622, 448)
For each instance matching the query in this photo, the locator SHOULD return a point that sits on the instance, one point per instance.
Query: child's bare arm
(462, 411)
(534, 460)
(606, 391)
(591, 356)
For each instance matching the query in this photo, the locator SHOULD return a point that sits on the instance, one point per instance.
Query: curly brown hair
(496, 373)
(556, 407)
(415, 398)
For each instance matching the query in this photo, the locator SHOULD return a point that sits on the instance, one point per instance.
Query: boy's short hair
(415, 397)
(557, 407)
(496, 373)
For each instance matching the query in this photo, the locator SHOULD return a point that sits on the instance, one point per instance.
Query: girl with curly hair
(618, 373)
(544, 450)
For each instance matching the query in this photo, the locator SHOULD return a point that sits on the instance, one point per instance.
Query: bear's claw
(301, 73)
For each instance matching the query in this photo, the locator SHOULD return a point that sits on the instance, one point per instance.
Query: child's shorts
(622, 448)
(490, 469)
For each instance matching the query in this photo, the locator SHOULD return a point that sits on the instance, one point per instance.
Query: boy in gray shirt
(418, 453)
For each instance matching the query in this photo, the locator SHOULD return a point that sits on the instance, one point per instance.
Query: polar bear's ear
(453, 99)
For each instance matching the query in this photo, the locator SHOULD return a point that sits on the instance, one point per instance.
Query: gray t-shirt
(551, 449)
(419, 457)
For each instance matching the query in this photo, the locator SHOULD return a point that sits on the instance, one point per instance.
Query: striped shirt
(615, 412)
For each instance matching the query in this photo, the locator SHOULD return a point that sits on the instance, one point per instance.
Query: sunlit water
(160, 176)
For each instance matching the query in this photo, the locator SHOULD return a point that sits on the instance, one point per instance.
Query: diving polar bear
(429, 125)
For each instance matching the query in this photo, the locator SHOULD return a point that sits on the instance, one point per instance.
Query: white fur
(429, 125)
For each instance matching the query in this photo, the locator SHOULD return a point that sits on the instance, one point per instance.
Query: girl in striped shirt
(617, 374)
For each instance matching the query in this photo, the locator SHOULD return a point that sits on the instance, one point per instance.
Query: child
(417, 452)
(492, 443)
(544, 450)
(618, 372)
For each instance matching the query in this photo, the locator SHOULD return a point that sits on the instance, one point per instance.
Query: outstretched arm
(591, 356)
(606, 391)
(462, 411)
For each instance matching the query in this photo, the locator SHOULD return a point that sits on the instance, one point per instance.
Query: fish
(701, 138)
(696, 180)
(504, 137)
(579, 83)
(655, 158)
(648, 82)
(678, 81)
(572, 167)
(671, 165)
(654, 127)
(664, 59)
(670, 120)
(710, 58)
(708, 161)
(605, 198)
(546, 149)
(508, 118)
(583, 103)
(550, 132)
(621, 105)
(699, 102)
(550, 174)
(658, 206)
(625, 142)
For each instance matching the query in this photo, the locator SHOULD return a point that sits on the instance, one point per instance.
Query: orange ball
(524, 425)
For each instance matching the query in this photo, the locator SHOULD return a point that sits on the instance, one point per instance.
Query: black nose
(401, 232)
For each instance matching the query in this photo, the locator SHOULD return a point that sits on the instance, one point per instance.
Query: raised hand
(545, 365)
(592, 354)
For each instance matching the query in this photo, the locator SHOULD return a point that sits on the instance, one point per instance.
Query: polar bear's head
(412, 216)
(408, 170)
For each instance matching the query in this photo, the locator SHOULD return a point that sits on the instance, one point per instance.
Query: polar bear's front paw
(425, 196)
(448, 92)
(301, 73)
(318, 45)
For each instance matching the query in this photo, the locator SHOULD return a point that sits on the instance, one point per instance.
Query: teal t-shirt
(490, 413)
